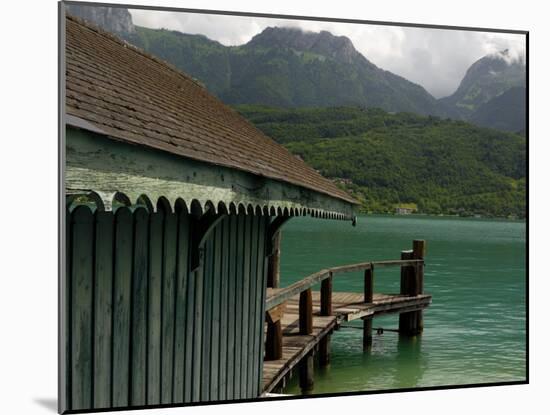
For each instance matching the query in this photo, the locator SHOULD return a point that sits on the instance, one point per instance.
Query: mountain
(383, 158)
(280, 66)
(386, 160)
(112, 19)
(288, 67)
(506, 111)
(486, 79)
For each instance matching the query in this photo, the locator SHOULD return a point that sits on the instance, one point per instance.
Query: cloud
(437, 59)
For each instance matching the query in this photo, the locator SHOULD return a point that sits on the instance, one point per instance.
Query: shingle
(138, 98)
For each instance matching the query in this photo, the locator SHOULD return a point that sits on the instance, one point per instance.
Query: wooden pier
(299, 321)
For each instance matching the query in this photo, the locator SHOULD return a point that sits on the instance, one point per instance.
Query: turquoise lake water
(474, 331)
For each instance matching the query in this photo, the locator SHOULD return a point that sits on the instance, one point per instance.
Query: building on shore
(404, 210)
(174, 204)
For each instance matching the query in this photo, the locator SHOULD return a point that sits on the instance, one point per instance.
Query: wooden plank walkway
(346, 307)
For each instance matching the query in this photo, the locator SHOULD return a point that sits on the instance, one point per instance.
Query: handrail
(412, 282)
(362, 266)
(304, 284)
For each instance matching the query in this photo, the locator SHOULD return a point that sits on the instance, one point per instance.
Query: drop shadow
(48, 403)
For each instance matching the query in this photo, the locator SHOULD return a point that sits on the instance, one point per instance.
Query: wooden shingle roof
(137, 98)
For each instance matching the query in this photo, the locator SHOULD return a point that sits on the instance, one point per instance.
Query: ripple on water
(475, 328)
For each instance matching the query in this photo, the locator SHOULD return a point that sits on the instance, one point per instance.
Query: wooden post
(306, 373)
(367, 321)
(419, 251)
(274, 262)
(326, 297)
(407, 275)
(412, 283)
(306, 312)
(274, 335)
(324, 350)
(369, 284)
(274, 341)
(367, 333)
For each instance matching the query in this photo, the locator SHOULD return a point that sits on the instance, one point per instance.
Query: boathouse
(173, 204)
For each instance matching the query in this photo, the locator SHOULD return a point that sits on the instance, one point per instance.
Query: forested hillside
(387, 160)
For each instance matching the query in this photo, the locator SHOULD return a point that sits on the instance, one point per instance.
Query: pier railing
(412, 284)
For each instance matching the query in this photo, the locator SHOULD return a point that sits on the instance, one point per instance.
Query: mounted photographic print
(262, 207)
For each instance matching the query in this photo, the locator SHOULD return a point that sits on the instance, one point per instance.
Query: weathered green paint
(245, 307)
(144, 329)
(254, 229)
(231, 303)
(122, 289)
(139, 308)
(168, 306)
(154, 308)
(106, 167)
(180, 310)
(215, 301)
(263, 294)
(81, 308)
(189, 336)
(261, 281)
(224, 316)
(207, 317)
(240, 236)
(104, 228)
(66, 285)
(197, 334)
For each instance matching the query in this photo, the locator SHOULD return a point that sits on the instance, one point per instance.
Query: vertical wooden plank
(224, 309)
(82, 295)
(207, 316)
(306, 312)
(122, 290)
(252, 338)
(181, 305)
(239, 277)
(265, 266)
(199, 276)
(66, 383)
(259, 315)
(104, 238)
(216, 339)
(326, 296)
(168, 300)
(231, 306)
(246, 306)
(156, 220)
(138, 392)
(189, 328)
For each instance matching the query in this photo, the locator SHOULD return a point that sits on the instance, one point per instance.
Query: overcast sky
(434, 58)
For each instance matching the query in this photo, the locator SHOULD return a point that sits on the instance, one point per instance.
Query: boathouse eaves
(113, 171)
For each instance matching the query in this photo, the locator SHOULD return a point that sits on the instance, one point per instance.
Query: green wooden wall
(142, 329)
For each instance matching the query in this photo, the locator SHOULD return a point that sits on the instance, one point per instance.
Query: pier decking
(347, 306)
(299, 321)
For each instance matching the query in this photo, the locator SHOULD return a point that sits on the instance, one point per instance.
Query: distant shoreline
(443, 216)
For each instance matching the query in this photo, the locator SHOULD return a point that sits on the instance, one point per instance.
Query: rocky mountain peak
(111, 19)
(324, 43)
